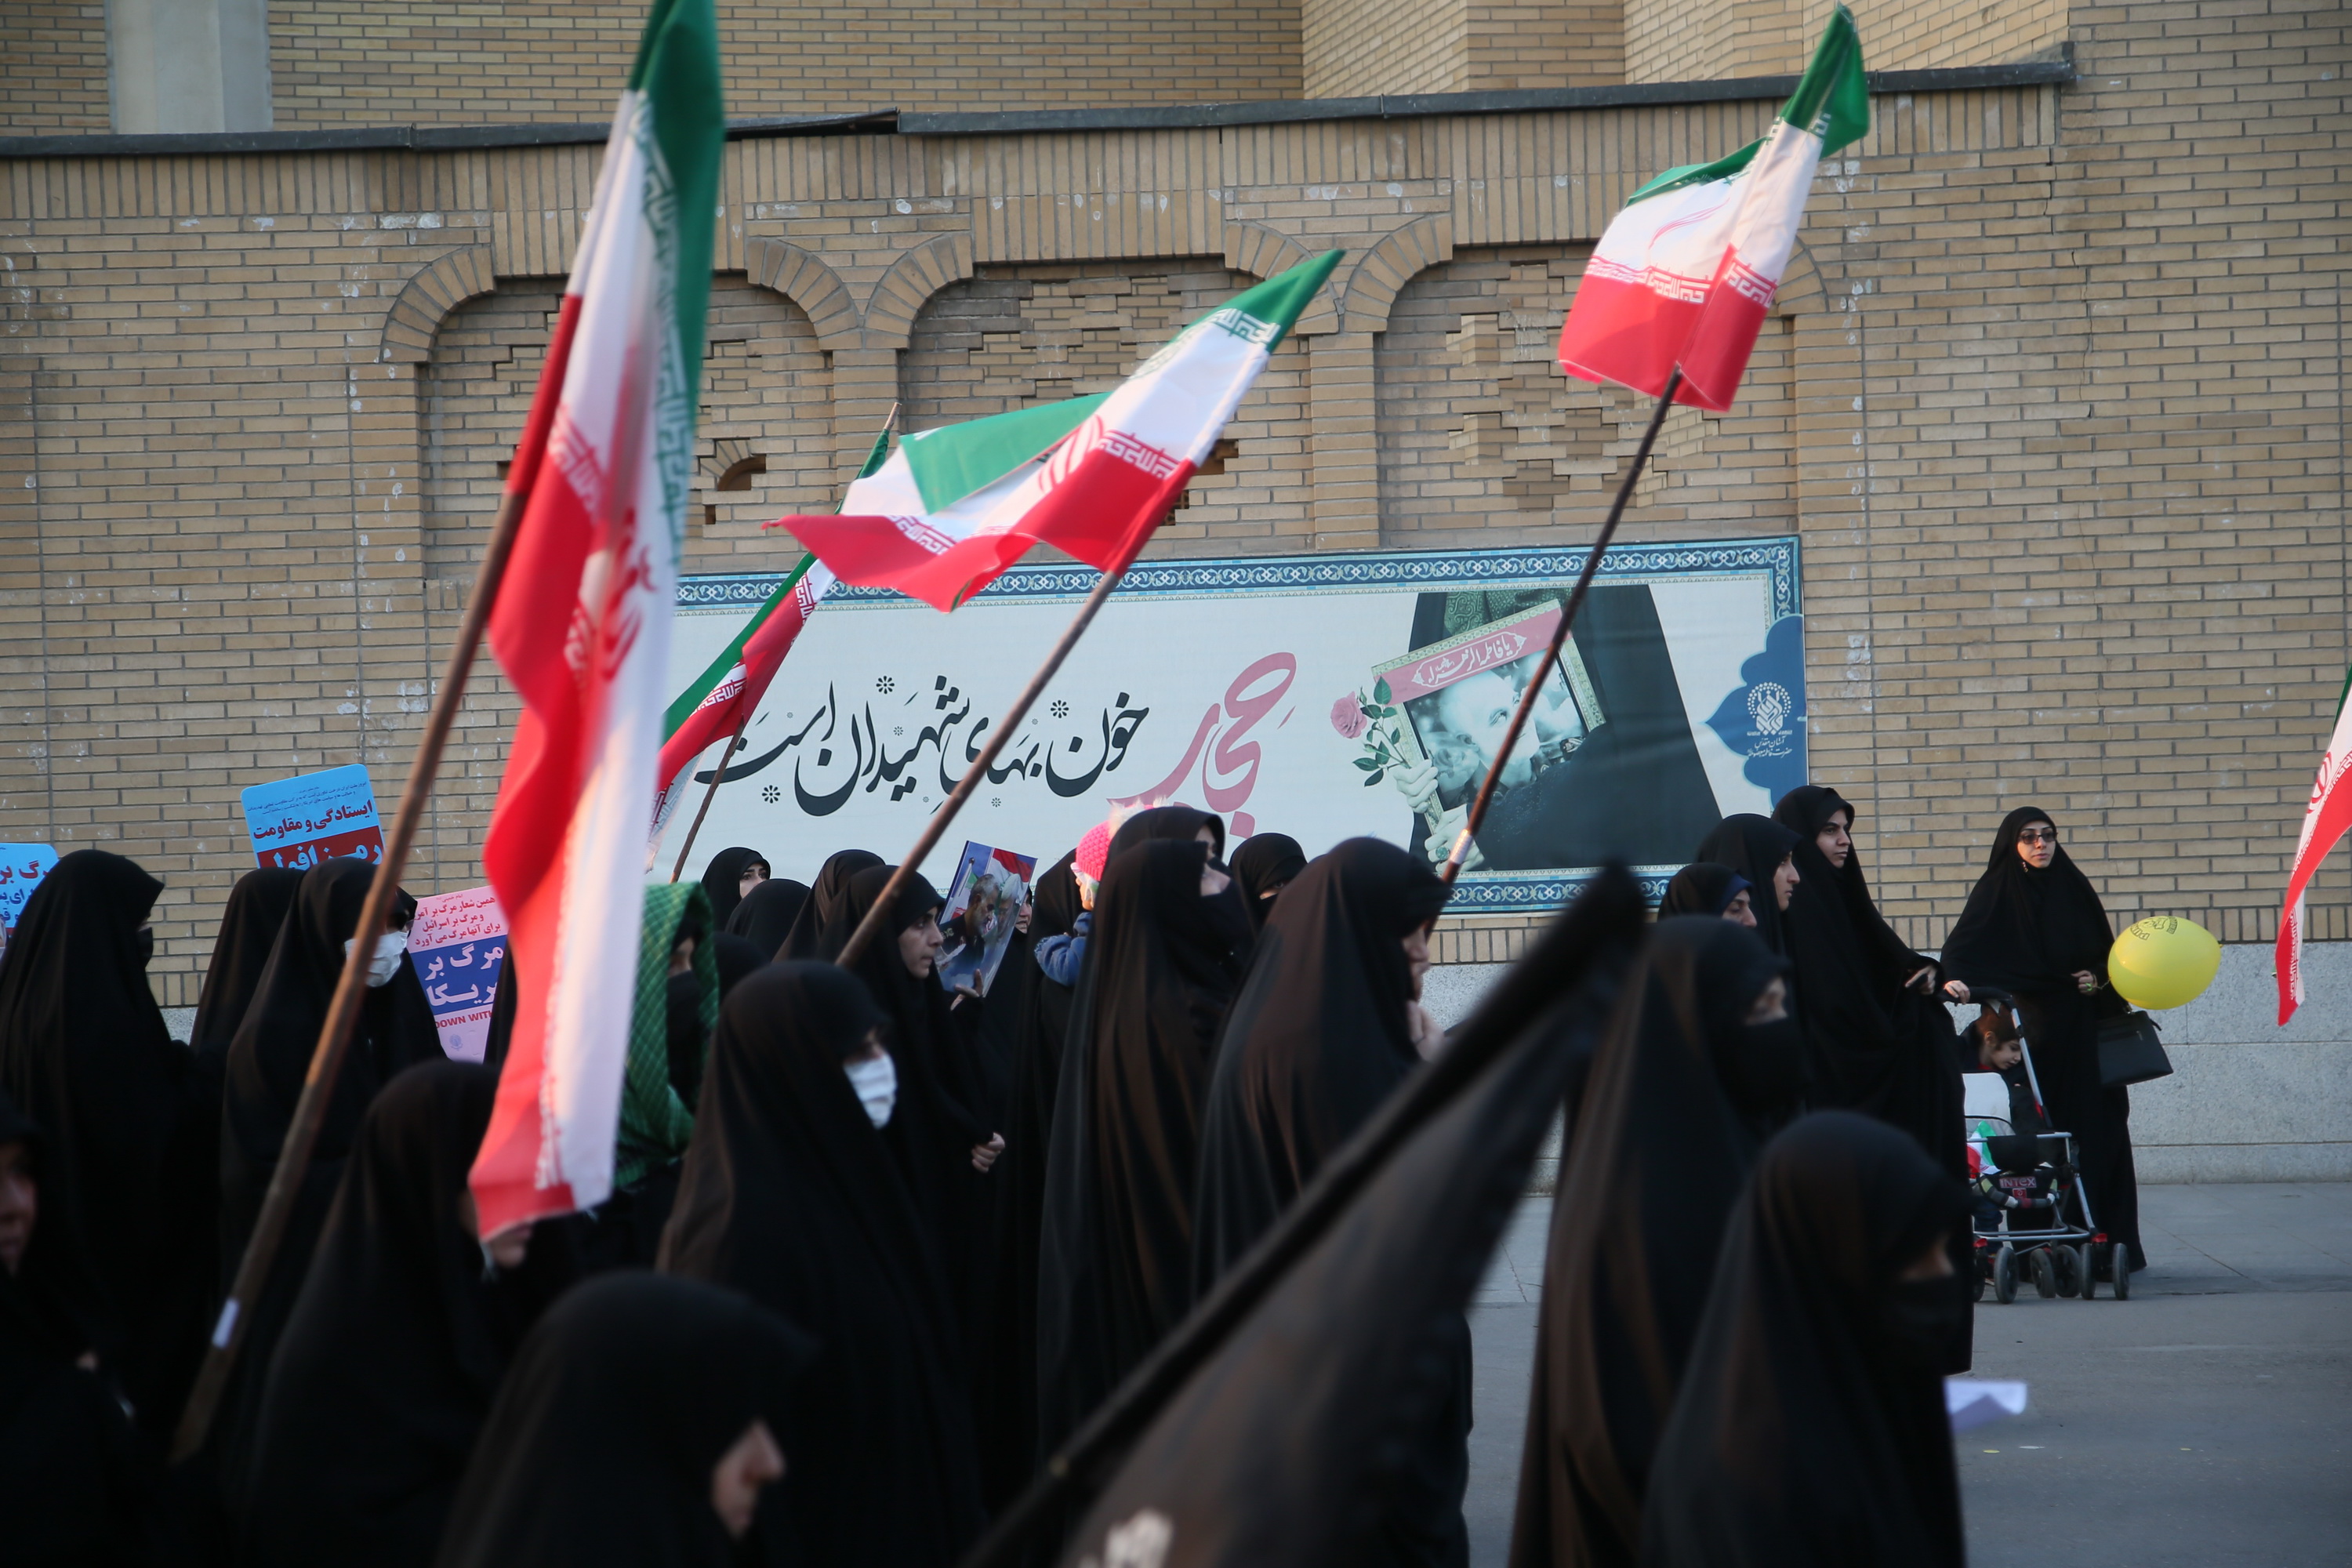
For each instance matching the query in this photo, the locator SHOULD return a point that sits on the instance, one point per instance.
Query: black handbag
(2130, 1051)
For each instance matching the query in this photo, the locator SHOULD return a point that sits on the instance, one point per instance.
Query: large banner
(1321, 696)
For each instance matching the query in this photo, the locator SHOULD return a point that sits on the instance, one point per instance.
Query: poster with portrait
(983, 907)
(1322, 696)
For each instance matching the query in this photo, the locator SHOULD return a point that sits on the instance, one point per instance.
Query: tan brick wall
(1709, 40)
(384, 62)
(1357, 49)
(2054, 404)
(53, 63)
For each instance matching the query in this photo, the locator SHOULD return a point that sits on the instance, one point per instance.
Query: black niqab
(822, 927)
(1705, 888)
(1116, 1248)
(388, 1365)
(792, 1196)
(766, 912)
(1659, 1155)
(1754, 847)
(1263, 864)
(85, 1054)
(723, 881)
(1801, 1434)
(2027, 932)
(602, 1442)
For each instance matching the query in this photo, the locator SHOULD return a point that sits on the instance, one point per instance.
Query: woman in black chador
(1325, 1028)
(1265, 864)
(2034, 928)
(822, 923)
(1882, 1043)
(1116, 1248)
(268, 1062)
(1700, 1063)
(732, 875)
(1760, 852)
(1004, 1358)
(796, 1193)
(765, 915)
(637, 1409)
(1810, 1428)
(398, 1339)
(85, 1054)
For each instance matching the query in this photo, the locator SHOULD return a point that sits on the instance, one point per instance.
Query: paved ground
(2206, 1422)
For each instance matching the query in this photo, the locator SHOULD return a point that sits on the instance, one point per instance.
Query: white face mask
(385, 961)
(877, 1083)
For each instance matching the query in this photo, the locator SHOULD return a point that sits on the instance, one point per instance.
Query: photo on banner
(983, 907)
(1325, 696)
(314, 817)
(457, 942)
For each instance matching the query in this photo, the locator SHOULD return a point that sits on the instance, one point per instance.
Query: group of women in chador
(877, 1248)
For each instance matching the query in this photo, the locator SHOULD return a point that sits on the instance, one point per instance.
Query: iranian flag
(2323, 822)
(581, 624)
(730, 687)
(1093, 475)
(1684, 274)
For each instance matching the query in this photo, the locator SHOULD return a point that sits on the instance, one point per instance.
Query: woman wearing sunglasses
(2034, 928)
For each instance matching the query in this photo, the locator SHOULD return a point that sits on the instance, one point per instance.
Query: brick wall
(1354, 48)
(1709, 40)
(380, 62)
(55, 54)
(2053, 399)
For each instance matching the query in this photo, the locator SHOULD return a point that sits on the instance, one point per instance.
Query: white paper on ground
(1974, 1401)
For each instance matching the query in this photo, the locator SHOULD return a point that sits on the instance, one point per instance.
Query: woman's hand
(1924, 980)
(983, 1156)
(1956, 991)
(1428, 1038)
(2086, 982)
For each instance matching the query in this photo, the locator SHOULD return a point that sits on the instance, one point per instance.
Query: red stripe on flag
(1625, 332)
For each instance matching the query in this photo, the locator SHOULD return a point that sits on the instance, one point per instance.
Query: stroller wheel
(2070, 1274)
(2004, 1276)
(2045, 1275)
(1983, 1276)
(2123, 1271)
(2086, 1269)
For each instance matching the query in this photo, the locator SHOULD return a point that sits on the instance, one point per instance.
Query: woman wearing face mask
(397, 1340)
(2034, 928)
(1811, 1426)
(268, 1062)
(1327, 1026)
(797, 1193)
(1699, 1064)
(1116, 1249)
(729, 880)
(1762, 853)
(84, 1053)
(1708, 888)
(639, 1425)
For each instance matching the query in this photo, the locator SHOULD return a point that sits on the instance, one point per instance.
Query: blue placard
(302, 821)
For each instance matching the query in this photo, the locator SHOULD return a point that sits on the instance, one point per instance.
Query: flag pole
(717, 773)
(342, 1013)
(868, 928)
(1568, 980)
(1486, 796)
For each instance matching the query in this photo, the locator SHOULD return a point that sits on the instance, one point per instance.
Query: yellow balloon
(2163, 961)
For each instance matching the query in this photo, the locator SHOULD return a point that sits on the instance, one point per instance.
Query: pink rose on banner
(1348, 718)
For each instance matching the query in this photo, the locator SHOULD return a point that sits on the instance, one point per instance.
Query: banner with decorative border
(1321, 696)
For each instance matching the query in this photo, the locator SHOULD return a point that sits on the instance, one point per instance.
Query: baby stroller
(2032, 1214)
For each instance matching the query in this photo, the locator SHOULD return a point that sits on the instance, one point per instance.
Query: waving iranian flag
(1093, 475)
(2325, 821)
(1684, 274)
(581, 624)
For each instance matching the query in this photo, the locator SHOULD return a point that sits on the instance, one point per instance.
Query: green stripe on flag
(677, 69)
(955, 461)
(1831, 99)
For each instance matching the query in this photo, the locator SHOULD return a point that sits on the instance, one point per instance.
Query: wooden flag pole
(868, 928)
(342, 1014)
(717, 773)
(1559, 634)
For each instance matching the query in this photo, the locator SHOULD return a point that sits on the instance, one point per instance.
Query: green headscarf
(654, 1123)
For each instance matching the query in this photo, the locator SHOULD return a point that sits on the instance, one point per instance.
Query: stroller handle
(1987, 994)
